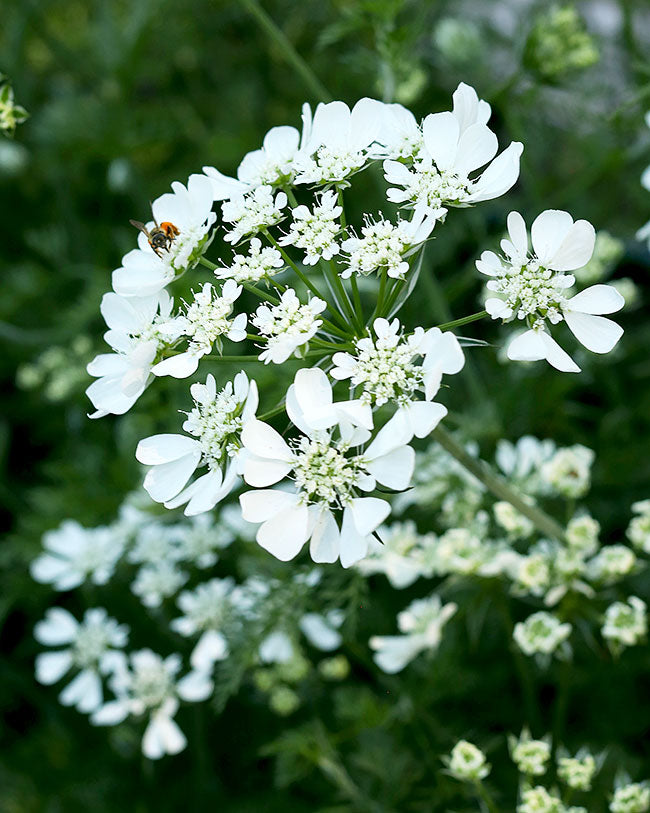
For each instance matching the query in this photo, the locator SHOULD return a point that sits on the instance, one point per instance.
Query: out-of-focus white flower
(456, 144)
(531, 573)
(199, 540)
(539, 800)
(530, 756)
(612, 563)
(515, 523)
(582, 534)
(253, 212)
(74, 554)
(154, 542)
(421, 623)
(458, 550)
(287, 325)
(625, 623)
(260, 263)
(216, 423)
(638, 531)
(521, 462)
(206, 320)
(339, 143)
(542, 634)
(577, 772)
(276, 648)
(322, 630)
(399, 554)
(568, 472)
(387, 369)
(157, 581)
(532, 288)
(315, 230)
(140, 328)
(400, 136)
(93, 649)
(148, 686)
(631, 798)
(384, 246)
(327, 476)
(467, 762)
(206, 610)
(189, 210)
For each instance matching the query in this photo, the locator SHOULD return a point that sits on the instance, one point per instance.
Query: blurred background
(125, 97)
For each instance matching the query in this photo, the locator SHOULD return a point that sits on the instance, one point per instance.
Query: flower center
(322, 473)
(217, 424)
(386, 374)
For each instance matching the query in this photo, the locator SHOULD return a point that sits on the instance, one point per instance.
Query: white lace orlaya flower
(287, 325)
(315, 230)
(206, 320)
(189, 209)
(259, 263)
(216, 423)
(271, 165)
(148, 685)
(399, 136)
(456, 144)
(327, 476)
(421, 624)
(92, 648)
(252, 212)
(72, 554)
(205, 609)
(386, 246)
(386, 368)
(339, 141)
(139, 328)
(532, 286)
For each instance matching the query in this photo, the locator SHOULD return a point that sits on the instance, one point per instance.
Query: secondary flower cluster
(314, 289)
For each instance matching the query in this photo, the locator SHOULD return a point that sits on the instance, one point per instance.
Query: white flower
(511, 520)
(157, 581)
(287, 325)
(532, 288)
(189, 210)
(339, 142)
(530, 756)
(271, 165)
(638, 531)
(531, 573)
(322, 630)
(329, 470)
(458, 550)
(467, 762)
(253, 212)
(74, 554)
(154, 542)
(276, 648)
(139, 329)
(568, 472)
(385, 367)
(385, 246)
(399, 554)
(205, 321)
(205, 610)
(259, 263)
(455, 145)
(199, 540)
(612, 563)
(149, 686)
(632, 798)
(539, 800)
(522, 461)
(541, 633)
(315, 231)
(577, 772)
(93, 650)
(625, 623)
(400, 135)
(421, 624)
(582, 534)
(216, 422)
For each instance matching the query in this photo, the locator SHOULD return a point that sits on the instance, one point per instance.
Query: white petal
(596, 333)
(425, 416)
(441, 133)
(319, 633)
(263, 441)
(59, 627)
(547, 233)
(527, 346)
(51, 666)
(84, 692)
(368, 513)
(195, 686)
(324, 543)
(557, 357)
(518, 233)
(285, 533)
(576, 249)
(499, 176)
(259, 506)
(164, 448)
(260, 472)
(354, 546)
(166, 480)
(182, 365)
(395, 469)
(596, 299)
(477, 145)
(212, 647)
(110, 713)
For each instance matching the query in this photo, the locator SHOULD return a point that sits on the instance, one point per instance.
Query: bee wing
(140, 226)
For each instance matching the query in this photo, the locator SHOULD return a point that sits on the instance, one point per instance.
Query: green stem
(474, 317)
(303, 277)
(482, 793)
(260, 294)
(208, 264)
(271, 413)
(380, 296)
(398, 285)
(498, 486)
(255, 338)
(287, 51)
(242, 358)
(338, 288)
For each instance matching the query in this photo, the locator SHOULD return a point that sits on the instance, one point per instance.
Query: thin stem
(271, 413)
(310, 285)
(498, 486)
(286, 49)
(255, 338)
(260, 294)
(208, 264)
(395, 291)
(338, 288)
(474, 317)
(380, 296)
(482, 793)
(242, 358)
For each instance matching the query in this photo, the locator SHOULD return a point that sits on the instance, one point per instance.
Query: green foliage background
(125, 97)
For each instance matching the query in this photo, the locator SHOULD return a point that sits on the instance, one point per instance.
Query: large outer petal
(157, 449)
(596, 299)
(263, 441)
(596, 333)
(284, 534)
(441, 133)
(548, 232)
(576, 249)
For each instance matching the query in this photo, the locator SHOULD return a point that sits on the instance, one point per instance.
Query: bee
(160, 237)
